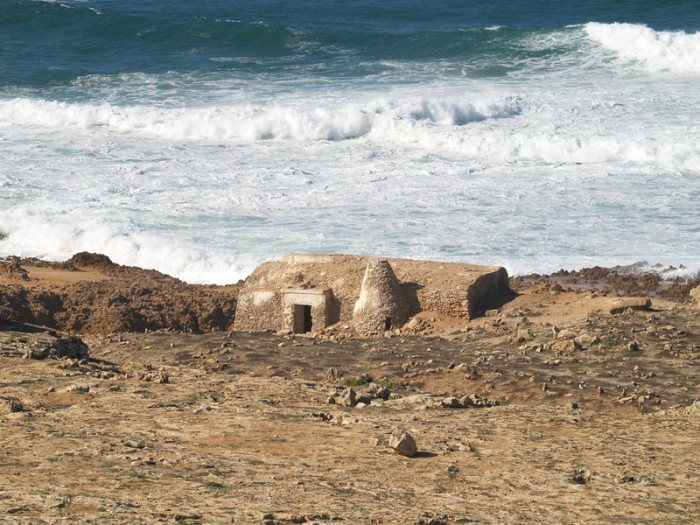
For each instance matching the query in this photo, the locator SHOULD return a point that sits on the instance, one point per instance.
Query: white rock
(403, 443)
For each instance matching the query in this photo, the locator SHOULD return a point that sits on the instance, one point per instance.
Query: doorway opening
(302, 318)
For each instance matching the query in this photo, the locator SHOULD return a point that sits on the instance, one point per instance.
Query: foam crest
(657, 51)
(296, 123)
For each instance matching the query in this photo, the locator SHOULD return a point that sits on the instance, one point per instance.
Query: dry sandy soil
(598, 417)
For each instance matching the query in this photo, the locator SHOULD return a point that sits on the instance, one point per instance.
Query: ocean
(202, 138)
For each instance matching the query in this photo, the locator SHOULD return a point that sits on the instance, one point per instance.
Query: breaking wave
(250, 122)
(657, 51)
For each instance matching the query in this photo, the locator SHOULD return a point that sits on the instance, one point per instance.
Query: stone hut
(303, 293)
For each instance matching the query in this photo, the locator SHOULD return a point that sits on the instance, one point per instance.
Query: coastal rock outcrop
(89, 294)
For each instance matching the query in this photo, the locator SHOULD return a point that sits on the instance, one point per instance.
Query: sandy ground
(598, 422)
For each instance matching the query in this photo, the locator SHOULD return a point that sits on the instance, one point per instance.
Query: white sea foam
(249, 122)
(537, 173)
(657, 51)
(55, 236)
(503, 129)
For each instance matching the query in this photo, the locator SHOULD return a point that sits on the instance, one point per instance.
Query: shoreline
(88, 293)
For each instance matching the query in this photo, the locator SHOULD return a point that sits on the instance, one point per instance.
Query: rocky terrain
(575, 401)
(90, 294)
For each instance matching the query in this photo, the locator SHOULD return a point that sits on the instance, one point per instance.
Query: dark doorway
(302, 318)
(387, 324)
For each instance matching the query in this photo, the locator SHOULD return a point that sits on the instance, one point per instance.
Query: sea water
(202, 138)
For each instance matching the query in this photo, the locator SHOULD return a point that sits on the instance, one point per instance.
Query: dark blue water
(48, 43)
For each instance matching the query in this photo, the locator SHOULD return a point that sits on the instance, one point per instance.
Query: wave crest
(252, 122)
(657, 51)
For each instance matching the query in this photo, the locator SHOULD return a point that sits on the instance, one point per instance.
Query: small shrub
(608, 341)
(360, 380)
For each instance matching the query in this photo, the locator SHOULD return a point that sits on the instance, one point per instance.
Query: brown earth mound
(91, 294)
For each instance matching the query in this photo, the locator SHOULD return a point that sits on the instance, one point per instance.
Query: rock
(155, 376)
(332, 375)
(80, 389)
(466, 401)
(13, 404)
(403, 443)
(695, 295)
(484, 401)
(581, 476)
(565, 334)
(630, 303)
(451, 402)
(349, 397)
(523, 336)
(586, 339)
(70, 346)
(13, 270)
(382, 393)
(566, 346)
(364, 398)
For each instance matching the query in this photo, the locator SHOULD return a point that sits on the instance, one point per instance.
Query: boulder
(349, 397)
(630, 303)
(564, 335)
(451, 402)
(70, 346)
(695, 295)
(403, 443)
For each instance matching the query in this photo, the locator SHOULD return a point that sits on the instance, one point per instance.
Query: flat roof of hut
(302, 293)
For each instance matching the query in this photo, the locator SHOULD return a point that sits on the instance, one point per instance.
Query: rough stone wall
(340, 274)
(424, 285)
(381, 300)
(452, 302)
(260, 310)
(484, 287)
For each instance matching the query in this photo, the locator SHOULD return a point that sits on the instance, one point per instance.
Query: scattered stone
(581, 476)
(13, 270)
(403, 443)
(71, 347)
(80, 389)
(155, 376)
(471, 400)
(451, 402)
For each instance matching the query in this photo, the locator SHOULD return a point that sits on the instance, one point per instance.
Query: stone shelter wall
(331, 286)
